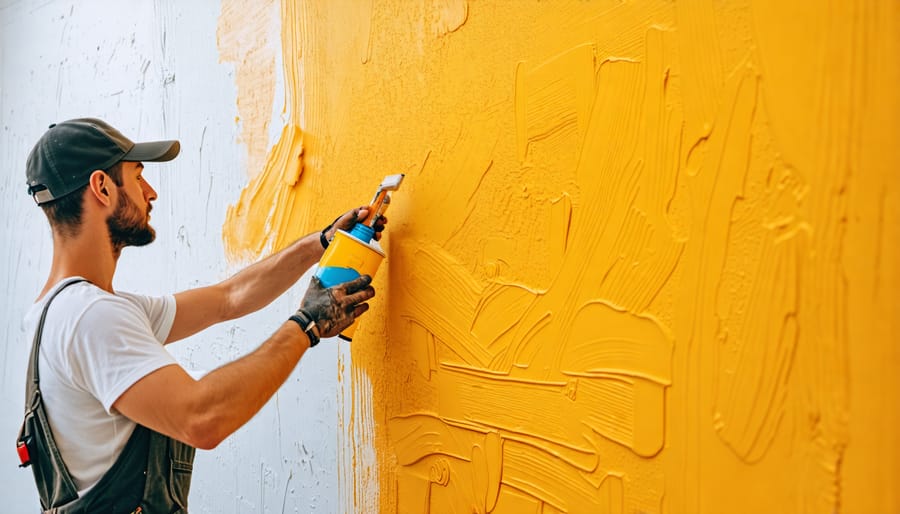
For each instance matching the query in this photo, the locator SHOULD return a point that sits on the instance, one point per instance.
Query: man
(111, 419)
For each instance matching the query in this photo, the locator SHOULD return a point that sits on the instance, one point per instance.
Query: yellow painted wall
(645, 258)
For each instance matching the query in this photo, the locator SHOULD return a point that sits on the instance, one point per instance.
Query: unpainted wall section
(155, 70)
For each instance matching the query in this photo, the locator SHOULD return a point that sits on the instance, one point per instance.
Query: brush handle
(377, 208)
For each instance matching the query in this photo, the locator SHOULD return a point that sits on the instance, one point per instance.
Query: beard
(128, 226)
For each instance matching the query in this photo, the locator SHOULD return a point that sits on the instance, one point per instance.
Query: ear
(100, 185)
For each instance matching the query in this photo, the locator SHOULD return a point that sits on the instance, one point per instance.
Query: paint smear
(447, 15)
(634, 245)
(244, 39)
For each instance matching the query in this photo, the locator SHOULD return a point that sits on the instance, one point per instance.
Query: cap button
(52, 125)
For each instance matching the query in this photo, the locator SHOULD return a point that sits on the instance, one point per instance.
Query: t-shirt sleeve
(160, 312)
(115, 344)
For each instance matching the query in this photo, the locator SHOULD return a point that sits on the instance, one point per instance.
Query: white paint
(358, 462)
(152, 69)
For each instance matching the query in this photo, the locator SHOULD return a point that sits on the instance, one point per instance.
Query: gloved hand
(347, 220)
(335, 308)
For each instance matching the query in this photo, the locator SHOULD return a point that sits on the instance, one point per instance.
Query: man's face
(129, 224)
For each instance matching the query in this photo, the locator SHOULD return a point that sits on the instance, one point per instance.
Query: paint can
(348, 257)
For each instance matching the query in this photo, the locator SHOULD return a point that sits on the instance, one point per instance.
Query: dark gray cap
(66, 155)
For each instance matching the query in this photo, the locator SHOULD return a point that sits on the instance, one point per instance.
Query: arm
(247, 291)
(256, 286)
(203, 412)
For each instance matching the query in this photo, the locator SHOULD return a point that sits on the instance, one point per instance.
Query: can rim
(359, 241)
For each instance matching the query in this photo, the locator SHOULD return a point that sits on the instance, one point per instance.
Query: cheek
(135, 197)
(126, 205)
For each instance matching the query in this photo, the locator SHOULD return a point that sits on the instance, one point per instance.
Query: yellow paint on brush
(649, 263)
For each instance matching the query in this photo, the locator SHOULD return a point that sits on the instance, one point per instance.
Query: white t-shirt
(96, 345)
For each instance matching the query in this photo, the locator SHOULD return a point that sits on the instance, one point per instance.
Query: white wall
(152, 70)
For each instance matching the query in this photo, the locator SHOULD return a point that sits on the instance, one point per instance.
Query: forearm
(259, 284)
(256, 286)
(231, 395)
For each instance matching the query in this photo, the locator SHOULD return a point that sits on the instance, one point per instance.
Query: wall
(644, 260)
(155, 70)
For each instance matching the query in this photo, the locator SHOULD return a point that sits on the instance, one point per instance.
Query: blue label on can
(331, 276)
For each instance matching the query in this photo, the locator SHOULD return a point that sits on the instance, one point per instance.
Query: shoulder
(84, 303)
(85, 309)
(87, 330)
(69, 303)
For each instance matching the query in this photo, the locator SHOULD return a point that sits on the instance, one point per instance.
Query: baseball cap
(66, 155)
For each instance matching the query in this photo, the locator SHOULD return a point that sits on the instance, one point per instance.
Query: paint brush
(382, 198)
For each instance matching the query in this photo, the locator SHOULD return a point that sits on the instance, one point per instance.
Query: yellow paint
(649, 263)
(243, 39)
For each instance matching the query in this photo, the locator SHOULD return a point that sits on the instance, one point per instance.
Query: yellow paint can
(347, 258)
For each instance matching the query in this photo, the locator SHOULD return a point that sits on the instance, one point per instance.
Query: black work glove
(335, 308)
(346, 222)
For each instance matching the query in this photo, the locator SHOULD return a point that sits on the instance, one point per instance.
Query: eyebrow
(140, 165)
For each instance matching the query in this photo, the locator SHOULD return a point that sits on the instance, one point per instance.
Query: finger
(379, 227)
(355, 285)
(361, 213)
(360, 309)
(350, 218)
(347, 220)
(359, 296)
(342, 325)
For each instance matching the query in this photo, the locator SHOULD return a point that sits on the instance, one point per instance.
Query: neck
(88, 254)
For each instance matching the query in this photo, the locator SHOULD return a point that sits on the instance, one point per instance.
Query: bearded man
(112, 420)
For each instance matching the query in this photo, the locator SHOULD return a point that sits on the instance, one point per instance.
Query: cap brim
(153, 151)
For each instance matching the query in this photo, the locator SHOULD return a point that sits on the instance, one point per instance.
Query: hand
(347, 220)
(335, 308)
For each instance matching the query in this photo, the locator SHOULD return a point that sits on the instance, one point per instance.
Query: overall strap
(33, 383)
(54, 483)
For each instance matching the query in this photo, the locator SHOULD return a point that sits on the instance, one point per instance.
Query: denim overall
(152, 475)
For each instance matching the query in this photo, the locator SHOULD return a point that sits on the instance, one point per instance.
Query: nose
(149, 192)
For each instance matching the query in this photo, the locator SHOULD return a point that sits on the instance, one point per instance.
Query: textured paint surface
(644, 260)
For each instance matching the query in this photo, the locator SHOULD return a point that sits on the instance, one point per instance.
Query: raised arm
(204, 412)
(256, 286)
